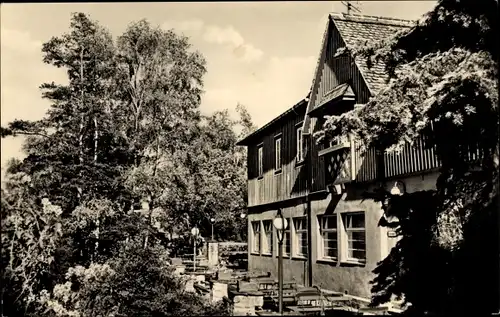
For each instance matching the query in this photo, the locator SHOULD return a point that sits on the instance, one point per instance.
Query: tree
(444, 86)
(69, 149)
(31, 230)
(160, 82)
(200, 180)
(125, 129)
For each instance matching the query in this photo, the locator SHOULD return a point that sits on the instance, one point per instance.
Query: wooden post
(352, 157)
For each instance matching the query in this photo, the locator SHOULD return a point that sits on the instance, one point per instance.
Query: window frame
(286, 232)
(260, 161)
(299, 144)
(278, 162)
(254, 249)
(298, 246)
(348, 230)
(322, 254)
(268, 237)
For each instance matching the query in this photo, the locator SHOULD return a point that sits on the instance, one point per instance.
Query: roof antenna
(349, 6)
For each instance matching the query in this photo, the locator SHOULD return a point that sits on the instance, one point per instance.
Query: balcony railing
(347, 161)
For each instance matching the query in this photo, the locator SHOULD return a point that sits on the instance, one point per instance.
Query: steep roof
(354, 29)
(357, 29)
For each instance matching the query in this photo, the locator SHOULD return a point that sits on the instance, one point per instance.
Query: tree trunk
(150, 211)
(96, 137)
(82, 119)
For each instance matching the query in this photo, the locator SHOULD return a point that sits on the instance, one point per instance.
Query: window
(300, 154)
(300, 241)
(286, 241)
(355, 230)
(277, 151)
(256, 236)
(260, 161)
(328, 229)
(267, 242)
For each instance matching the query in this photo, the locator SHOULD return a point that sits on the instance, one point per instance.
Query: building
(333, 239)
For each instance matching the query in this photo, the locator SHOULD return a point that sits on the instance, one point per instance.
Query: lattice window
(338, 165)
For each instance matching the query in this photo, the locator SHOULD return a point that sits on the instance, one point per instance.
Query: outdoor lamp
(195, 233)
(399, 188)
(212, 221)
(280, 223)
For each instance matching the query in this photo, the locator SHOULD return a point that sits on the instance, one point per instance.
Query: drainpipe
(308, 207)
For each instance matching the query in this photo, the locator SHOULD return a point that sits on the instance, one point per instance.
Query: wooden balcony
(413, 158)
(349, 162)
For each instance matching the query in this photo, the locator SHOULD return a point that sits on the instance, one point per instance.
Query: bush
(136, 282)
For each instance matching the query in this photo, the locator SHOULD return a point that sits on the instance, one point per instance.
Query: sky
(259, 54)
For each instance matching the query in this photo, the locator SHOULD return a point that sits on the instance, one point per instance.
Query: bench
(201, 288)
(314, 310)
(267, 285)
(309, 301)
(289, 289)
(257, 276)
(273, 313)
(288, 298)
(382, 310)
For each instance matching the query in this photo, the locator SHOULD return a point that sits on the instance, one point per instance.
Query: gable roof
(354, 30)
(358, 29)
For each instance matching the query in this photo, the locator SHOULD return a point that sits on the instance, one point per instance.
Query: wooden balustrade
(350, 162)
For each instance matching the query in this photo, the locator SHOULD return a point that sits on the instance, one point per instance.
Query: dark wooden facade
(313, 188)
(277, 185)
(337, 70)
(326, 165)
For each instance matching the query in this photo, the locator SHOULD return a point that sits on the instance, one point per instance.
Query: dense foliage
(137, 282)
(122, 162)
(443, 85)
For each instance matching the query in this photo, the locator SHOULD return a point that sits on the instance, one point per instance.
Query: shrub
(136, 282)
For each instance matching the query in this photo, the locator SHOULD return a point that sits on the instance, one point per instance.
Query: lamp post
(212, 221)
(194, 232)
(280, 223)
